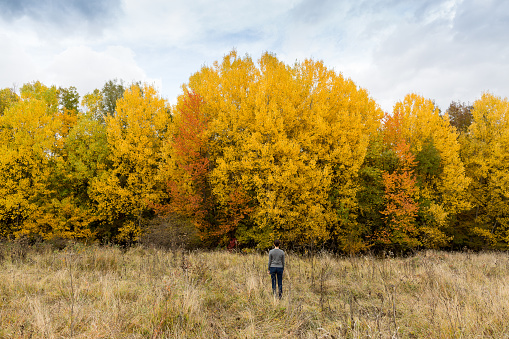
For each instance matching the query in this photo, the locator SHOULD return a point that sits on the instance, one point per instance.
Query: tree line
(252, 151)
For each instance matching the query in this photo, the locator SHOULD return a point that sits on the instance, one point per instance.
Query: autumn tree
(44, 189)
(187, 171)
(401, 193)
(84, 159)
(68, 110)
(7, 97)
(439, 170)
(135, 133)
(186, 166)
(293, 138)
(112, 91)
(380, 158)
(487, 161)
(29, 148)
(103, 103)
(460, 115)
(93, 104)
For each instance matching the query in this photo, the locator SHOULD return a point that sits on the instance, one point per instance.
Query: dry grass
(93, 292)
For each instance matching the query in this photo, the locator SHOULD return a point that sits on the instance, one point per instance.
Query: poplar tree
(29, 151)
(293, 139)
(487, 161)
(439, 169)
(135, 133)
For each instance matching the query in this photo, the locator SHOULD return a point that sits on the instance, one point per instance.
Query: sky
(446, 51)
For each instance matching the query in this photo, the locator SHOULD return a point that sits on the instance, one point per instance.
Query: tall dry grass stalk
(94, 292)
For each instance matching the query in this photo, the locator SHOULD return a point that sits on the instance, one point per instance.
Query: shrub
(170, 232)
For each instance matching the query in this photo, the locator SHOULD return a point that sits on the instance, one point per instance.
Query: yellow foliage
(293, 137)
(7, 98)
(129, 231)
(55, 218)
(486, 154)
(431, 237)
(93, 104)
(135, 134)
(439, 214)
(29, 143)
(488, 237)
(422, 121)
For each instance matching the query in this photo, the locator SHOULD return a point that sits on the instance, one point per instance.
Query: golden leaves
(288, 135)
(135, 133)
(487, 161)
(274, 150)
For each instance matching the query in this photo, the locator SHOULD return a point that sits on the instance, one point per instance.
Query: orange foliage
(400, 190)
(393, 128)
(188, 187)
(238, 207)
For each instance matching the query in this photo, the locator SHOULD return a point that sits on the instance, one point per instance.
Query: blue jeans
(277, 273)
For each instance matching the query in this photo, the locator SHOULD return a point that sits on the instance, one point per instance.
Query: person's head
(276, 243)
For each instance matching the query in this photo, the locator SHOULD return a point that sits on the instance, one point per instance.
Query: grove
(252, 151)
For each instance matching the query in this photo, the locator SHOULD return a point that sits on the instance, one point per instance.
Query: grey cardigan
(276, 258)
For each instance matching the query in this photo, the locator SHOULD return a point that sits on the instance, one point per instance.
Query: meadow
(107, 292)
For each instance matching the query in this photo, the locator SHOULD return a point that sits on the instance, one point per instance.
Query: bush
(171, 232)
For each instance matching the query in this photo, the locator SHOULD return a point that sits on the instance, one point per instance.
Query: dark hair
(276, 243)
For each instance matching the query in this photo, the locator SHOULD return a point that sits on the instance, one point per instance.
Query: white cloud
(87, 69)
(444, 50)
(16, 65)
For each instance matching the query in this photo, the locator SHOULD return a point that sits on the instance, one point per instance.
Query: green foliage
(69, 98)
(429, 162)
(112, 91)
(7, 97)
(379, 159)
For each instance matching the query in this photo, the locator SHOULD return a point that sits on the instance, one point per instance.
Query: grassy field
(104, 292)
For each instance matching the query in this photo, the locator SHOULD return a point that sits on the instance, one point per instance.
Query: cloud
(426, 48)
(55, 21)
(181, 24)
(16, 66)
(79, 66)
(58, 10)
(87, 69)
(482, 21)
(444, 50)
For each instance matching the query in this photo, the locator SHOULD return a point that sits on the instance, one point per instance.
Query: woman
(276, 268)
